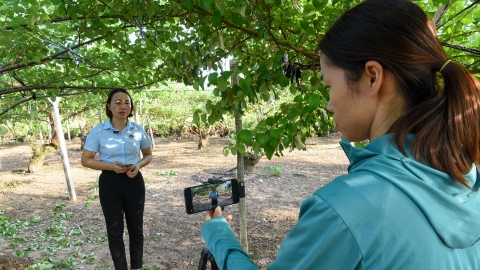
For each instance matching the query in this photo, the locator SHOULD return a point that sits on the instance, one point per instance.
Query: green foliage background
(81, 49)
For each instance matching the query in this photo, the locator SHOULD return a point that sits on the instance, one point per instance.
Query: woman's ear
(374, 75)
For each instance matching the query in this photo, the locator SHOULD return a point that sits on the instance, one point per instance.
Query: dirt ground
(172, 238)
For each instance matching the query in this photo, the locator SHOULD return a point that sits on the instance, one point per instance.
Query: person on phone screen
(410, 198)
(121, 186)
(214, 197)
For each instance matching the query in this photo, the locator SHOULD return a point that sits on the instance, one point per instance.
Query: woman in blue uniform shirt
(121, 187)
(410, 199)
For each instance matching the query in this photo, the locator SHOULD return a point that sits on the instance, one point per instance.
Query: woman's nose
(329, 107)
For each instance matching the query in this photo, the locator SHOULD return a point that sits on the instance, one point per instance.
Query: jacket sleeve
(319, 240)
(224, 246)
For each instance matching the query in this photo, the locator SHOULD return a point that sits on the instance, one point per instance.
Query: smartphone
(126, 165)
(208, 196)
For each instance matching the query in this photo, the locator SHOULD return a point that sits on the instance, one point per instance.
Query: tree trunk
(150, 131)
(40, 134)
(53, 133)
(241, 177)
(63, 148)
(240, 172)
(100, 118)
(251, 160)
(83, 136)
(137, 120)
(68, 131)
(39, 152)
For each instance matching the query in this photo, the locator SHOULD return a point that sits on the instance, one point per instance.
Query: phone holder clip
(215, 179)
(241, 189)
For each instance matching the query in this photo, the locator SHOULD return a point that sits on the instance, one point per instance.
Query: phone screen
(208, 196)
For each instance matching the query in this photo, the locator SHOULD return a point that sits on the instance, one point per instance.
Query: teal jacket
(388, 212)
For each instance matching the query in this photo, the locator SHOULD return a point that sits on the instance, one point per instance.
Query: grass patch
(167, 174)
(12, 183)
(275, 171)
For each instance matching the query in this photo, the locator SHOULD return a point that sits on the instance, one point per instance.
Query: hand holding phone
(126, 165)
(209, 196)
(216, 213)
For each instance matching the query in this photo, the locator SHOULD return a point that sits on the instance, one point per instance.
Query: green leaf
(196, 117)
(298, 99)
(359, 144)
(202, 82)
(241, 148)
(187, 4)
(242, 10)
(216, 18)
(226, 151)
(227, 74)
(270, 121)
(269, 151)
(212, 78)
(248, 80)
(286, 140)
(313, 101)
(275, 133)
(212, 119)
(207, 3)
(261, 124)
(320, 4)
(290, 129)
(262, 138)
(245, 136)
(305, 24)
(237, 19)
(257, 148)
(293, 113)
(222, 83)
(220, 4)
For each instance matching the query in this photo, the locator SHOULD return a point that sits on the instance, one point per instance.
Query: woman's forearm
(97, 164)
(145, 161)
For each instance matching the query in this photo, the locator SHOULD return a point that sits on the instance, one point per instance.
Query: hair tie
(444, 65)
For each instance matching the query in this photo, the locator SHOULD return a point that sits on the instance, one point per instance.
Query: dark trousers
(214, 203)
(121, 195)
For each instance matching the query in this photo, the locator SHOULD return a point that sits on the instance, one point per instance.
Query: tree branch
(308, 54)
(46, 87)
(20, 102)
(461, 48)
(48, 58)
(122, 50)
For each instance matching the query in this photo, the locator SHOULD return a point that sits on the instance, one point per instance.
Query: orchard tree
(53, 48)
(58, 48)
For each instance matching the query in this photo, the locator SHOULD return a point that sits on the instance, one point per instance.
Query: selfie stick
(206, 256)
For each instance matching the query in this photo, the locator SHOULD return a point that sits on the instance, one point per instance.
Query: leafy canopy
(79, 48)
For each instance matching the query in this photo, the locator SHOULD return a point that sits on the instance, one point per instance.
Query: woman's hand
(132, 171)
(117, 167)
(217, 213)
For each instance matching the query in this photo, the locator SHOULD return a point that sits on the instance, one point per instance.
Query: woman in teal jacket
(410, 198)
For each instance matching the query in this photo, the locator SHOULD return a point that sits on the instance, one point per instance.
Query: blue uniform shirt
(213, 194)
(123, 146)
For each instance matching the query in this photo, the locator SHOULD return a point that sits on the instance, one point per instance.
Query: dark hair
(109, 99)
(399, 35)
